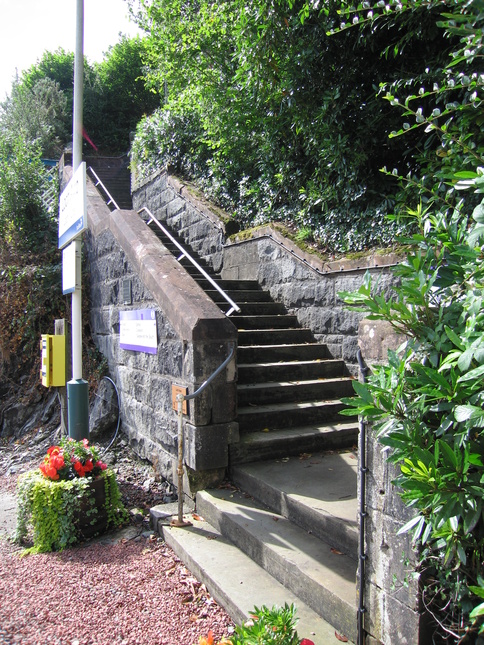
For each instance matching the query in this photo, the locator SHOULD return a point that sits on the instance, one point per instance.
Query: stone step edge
(286, 434)
(287, 407)
(326, 577)
(323, 523)
(302, 382)
(295, 362)
(209, 556)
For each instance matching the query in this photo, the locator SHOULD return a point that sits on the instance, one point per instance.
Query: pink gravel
(127, 593)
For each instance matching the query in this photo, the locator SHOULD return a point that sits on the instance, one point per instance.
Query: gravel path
(126, 591)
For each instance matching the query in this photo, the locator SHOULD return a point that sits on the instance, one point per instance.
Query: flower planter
(92, 517)
(72, 496)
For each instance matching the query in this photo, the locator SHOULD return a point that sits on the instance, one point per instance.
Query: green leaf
(472, 375)
(454, 338)
(478, 591)
(477, 611)
(464, 413)
(410, 525)
(447, 453)
(478, 213)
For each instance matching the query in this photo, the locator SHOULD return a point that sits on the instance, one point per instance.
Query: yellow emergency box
(53, 360)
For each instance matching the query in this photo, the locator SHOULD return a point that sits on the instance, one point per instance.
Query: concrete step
(243, 295)
(269, 393)
(274, 336)
(284, 321)
(282, 353)
(235, 285)
(274, 444)
(287, 415)
(235, 581)
(259, 372)
(321, 576)
(255, 308)
(317, 491)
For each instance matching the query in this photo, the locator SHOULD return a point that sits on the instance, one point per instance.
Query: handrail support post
(180, 398)
(180, 521)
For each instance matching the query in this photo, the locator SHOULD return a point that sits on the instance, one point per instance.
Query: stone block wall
(173, 203)
(193, 339)
(394, 615)
(308, 286)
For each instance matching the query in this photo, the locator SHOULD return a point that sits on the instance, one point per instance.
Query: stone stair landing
(285, 532)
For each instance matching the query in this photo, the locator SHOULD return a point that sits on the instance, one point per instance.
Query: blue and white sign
(73, 207)
(137, 330)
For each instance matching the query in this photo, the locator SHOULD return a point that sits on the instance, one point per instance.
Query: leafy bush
(279, 121)
(427, 404)
(30, 273)
(275, 626)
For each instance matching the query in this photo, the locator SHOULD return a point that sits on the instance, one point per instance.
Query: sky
(30, 27)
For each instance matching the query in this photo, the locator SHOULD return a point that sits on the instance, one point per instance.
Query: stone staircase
(115, 175)
(284, 529)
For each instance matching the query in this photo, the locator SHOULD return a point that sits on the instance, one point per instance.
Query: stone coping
(193, 315)
(370, 261)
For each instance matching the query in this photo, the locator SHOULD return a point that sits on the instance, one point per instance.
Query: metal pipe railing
(307, 264)
(362, 555)
(180, 399)
(184, 253)
(100, 183)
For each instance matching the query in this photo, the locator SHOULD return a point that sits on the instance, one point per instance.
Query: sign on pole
(73, 207)
(71, 269)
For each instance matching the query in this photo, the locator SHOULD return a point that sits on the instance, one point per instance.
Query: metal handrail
(99, 182)
(184, 253)
(307, 264)
(180, 398)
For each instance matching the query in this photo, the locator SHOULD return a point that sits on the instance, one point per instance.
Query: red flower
(306, 641)
(101, 465)
(57, 461)
(79, 468)
(88, 466)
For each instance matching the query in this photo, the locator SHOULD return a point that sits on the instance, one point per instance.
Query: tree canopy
(115, 98)
(279, 113)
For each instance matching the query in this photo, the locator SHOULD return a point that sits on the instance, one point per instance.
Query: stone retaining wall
(305, 284)
(171, 202)
(394, 613)
(308, 286)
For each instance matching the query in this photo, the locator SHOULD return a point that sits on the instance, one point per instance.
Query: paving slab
(8, 515)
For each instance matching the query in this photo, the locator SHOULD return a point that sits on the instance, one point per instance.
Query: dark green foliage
(30, 272)
(37, 112)
(282, 121)
(26, 223)
(117, 97)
